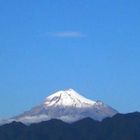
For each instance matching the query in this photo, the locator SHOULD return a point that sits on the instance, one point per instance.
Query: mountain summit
(66, 105)
(68, 98)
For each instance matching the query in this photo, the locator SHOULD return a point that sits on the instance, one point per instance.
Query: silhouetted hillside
(119, 127)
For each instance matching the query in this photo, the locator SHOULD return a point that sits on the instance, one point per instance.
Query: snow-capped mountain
(66, 105)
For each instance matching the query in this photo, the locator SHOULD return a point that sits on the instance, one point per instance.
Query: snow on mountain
(68, 106)
(68, 98)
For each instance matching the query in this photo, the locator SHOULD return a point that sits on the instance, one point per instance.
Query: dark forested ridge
(119, 127)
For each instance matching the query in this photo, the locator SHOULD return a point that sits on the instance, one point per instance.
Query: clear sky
(92, 46)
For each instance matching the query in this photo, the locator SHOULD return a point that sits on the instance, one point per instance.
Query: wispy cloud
(67, 34)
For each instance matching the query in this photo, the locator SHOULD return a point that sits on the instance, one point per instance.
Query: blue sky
(92, 46)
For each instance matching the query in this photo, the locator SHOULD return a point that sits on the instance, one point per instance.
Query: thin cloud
(67, 34)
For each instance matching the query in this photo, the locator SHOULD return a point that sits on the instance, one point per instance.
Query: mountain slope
(68, 106)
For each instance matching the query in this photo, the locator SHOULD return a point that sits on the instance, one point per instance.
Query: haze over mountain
(68, 106)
